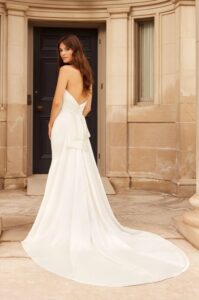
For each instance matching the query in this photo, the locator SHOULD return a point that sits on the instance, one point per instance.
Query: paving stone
(23, 279)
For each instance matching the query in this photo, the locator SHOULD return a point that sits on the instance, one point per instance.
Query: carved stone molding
(119, 12)
(16, 9)
(119, 4)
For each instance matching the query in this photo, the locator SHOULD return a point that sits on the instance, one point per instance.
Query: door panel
(44, 84)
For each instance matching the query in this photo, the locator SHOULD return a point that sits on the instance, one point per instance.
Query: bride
(75, 233)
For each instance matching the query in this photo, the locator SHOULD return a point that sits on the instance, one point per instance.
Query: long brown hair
(79, 60)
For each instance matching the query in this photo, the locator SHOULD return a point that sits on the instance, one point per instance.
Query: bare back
(75, 86)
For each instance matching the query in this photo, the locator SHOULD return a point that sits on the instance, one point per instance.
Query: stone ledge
(165, 186)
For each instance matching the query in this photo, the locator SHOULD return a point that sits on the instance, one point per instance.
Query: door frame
(101, 90)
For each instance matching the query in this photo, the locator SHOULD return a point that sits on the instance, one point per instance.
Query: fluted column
(188, 224)
(16, 95)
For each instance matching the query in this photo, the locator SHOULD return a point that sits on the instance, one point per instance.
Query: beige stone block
(14, 161)
(117, 134)
(166, 164)
(1, 227)
(187, 25)
(168, 22)
(16, 112)
(15, 133)
(117, 90)
(197, 68)
(116, 113)
(144, 174)
(118, 29)
(169, 89)
(188, 54)
(16, 126)
(15, 66)
(153, 113)
(15, 26)
(118, 66)
(1, 183)
(118, 159)
(120, 183)
(197, 13)
(3, 113)
(187, 112)
(36, 184)
(188, 137)
(2, 134)
(164, 186)
(187, 164)
(188, 99)
(154, 135)
(169, 59)
(142, 160)
(187, 85)
(17, 93)
(2, 161)
(15, 183)
(25, 161)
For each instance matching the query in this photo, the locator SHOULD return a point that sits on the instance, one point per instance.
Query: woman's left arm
(87, 107)
(57, 100)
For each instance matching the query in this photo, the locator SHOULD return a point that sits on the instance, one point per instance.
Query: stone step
(36, 185)
(15, 228)
(108, 186)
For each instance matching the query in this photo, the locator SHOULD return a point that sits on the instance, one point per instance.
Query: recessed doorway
(45, 72)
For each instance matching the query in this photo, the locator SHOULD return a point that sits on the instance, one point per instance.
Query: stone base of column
(188, 224)
(1, 226)
(15, 183)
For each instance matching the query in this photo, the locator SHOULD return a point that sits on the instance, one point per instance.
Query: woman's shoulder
(68, 68)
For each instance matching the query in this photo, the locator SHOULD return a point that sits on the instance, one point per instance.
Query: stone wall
(150, 146)
(162, 136)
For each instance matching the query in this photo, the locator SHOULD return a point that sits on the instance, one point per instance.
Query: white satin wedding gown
(76, 234)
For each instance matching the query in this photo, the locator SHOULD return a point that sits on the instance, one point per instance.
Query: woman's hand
(86, 111)
(49, 130)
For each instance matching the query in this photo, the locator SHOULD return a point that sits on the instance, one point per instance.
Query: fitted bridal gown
(76, 234)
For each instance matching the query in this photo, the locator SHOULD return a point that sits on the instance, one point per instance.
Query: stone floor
(22, 279)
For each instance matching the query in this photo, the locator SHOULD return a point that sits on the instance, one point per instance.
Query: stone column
(188, 224)
(116, 96)
(16, 96)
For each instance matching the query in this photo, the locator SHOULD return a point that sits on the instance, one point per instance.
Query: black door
(45, 79)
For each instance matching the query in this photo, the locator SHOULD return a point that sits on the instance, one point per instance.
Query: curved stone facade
(150, 145)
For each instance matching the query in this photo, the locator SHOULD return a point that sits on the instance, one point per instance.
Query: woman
(75, 233)
(75, 75)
